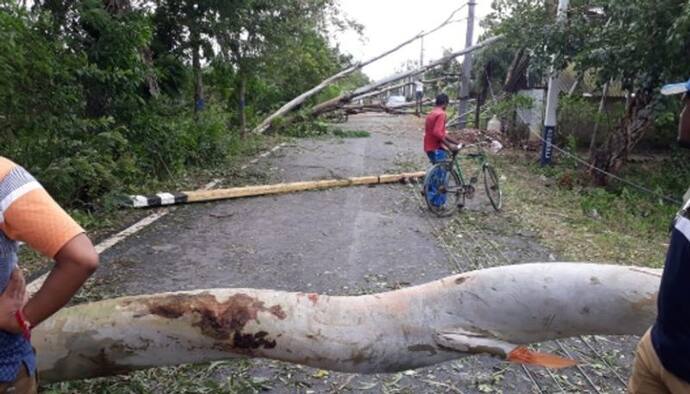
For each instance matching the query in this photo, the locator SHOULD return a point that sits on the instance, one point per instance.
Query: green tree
(642, 44)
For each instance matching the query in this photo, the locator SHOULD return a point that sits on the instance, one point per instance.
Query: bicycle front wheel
(443, 190)
(492, 187)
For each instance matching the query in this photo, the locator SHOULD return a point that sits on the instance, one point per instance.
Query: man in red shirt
(435, 139)
(435, 134)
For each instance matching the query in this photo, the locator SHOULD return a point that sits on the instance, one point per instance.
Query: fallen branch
(262, 190)
(297, 101)
(490, 311)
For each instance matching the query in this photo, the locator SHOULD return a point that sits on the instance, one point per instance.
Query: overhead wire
(591, 166)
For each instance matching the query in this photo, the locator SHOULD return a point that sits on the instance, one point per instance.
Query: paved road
(343, 241)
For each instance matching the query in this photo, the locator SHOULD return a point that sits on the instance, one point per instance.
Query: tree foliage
(640, 44)
(99, 95)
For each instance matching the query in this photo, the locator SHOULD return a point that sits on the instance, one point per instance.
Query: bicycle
(445, 188)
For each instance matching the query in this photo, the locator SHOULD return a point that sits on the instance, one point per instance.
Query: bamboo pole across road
(262, 190)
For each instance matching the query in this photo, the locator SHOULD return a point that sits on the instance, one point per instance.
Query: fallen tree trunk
(335, 103)
(299, 100)
(488, 311)
(161, 199)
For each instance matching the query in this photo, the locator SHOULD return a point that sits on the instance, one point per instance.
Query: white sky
(388, 23)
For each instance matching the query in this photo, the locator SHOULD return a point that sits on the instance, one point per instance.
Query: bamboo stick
(262, 190)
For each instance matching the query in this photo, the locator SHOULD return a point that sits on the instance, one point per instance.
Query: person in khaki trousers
(662, 360)
(28, 214)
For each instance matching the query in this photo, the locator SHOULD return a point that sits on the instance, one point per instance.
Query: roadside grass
(616, 224)
(217, 377)
(350, 133)
(317, 128)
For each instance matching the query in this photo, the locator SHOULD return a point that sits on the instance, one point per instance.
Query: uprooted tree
(492, 311)
(638, 43)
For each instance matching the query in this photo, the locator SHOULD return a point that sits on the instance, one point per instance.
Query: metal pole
(466, 68)
(550, 118)
(421, 54)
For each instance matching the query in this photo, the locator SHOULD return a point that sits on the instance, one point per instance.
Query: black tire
(450, 202)
(492, 187)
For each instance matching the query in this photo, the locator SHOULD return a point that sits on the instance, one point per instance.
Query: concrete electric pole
(466, 68)
(552, 98)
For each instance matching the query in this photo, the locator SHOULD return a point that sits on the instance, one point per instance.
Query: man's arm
(33, 217)
(441, 134)
(451, 143)
(74, 264)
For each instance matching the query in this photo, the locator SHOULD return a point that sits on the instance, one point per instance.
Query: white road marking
(108, 243)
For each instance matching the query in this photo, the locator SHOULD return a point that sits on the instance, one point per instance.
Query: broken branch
(490, 311)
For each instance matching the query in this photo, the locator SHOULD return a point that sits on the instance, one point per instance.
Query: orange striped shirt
(28, 214)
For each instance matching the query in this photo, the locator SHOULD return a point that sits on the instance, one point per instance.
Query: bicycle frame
(480, 157)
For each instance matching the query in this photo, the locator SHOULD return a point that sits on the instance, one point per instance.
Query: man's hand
(11, 300)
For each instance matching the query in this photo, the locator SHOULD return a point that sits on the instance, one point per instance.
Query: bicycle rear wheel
(443, 189)
(492, 187)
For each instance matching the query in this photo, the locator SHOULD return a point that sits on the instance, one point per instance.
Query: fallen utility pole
(262, 190)
(337, 102)
(464, 93)
(383, 90)
(386, 89)
(492, 311)
(382, 108)
(297, 101)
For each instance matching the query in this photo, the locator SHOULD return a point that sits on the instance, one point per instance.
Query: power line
(607, 173)
(614, 176)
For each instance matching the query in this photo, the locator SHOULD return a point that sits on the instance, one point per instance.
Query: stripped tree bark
(490, 311)
(299, 100)
(337, 102)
